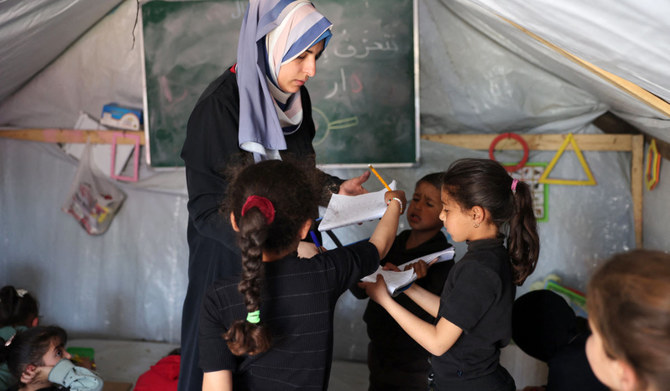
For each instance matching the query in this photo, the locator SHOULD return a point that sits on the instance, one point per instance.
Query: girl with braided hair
(272, 328)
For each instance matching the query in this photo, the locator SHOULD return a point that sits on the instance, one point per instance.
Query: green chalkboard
(364, 96)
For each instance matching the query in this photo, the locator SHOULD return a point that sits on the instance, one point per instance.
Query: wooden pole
(59, 135)
(636, 183)
(552, 142)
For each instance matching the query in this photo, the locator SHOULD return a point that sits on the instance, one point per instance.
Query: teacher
(258, 106)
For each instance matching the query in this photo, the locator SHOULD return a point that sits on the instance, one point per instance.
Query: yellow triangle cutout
(544, 178)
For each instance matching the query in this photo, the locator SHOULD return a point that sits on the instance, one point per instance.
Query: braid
(523, 243)
(244, 337)
(251, 238)
(270, 202)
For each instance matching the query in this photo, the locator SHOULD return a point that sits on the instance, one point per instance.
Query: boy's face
(423, 213)
(55, 353)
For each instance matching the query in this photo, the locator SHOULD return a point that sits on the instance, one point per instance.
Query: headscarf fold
(273, 33)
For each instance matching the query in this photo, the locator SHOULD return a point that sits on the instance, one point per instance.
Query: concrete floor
(124, 361)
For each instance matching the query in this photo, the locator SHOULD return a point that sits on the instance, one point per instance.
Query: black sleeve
(358, 292)
(211, 142)
(214, 352)
(352, 263)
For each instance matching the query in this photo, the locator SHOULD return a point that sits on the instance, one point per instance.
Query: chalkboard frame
(414, 137)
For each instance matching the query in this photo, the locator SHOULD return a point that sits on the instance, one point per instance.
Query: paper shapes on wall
(520, 140)
(652, 169)
(573, 182)
(531, 174)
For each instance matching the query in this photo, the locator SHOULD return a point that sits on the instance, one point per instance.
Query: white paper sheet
(395, 281)
(346, 210)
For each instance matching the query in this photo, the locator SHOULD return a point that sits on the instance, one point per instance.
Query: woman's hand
(376, 290)
(354, 186)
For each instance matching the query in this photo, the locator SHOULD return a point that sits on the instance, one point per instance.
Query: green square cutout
(531, 173)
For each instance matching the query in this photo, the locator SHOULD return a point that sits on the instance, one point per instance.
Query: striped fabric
(273, 33)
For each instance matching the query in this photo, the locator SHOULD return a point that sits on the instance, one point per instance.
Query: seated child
(18, 311)
(396, 361)
(37, 357)
(628, 301)
(546, 328)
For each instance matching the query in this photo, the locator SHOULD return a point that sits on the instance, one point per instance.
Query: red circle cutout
(520, 140)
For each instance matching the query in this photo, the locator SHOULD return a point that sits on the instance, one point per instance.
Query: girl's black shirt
(298, 304)
(477, 297)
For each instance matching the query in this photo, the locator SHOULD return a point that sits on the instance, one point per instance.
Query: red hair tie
(263, 204)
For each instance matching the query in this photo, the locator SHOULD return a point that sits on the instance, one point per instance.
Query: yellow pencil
(379, 177)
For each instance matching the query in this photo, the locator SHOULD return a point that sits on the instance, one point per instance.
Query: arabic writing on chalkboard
(364, 96)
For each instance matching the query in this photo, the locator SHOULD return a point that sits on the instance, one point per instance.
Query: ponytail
(17, 307)
(523, 242)
(486, 183)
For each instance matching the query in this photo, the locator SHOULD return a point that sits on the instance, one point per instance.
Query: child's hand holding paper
(397, 277)
(347, 210)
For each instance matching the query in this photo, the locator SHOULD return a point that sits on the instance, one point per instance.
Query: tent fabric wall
(33, 33)
(620, 102)
(628, 38)
(490, 90)
(477, 76)
(128, 283)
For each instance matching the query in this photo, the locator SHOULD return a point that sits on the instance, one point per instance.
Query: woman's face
(295, 73)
